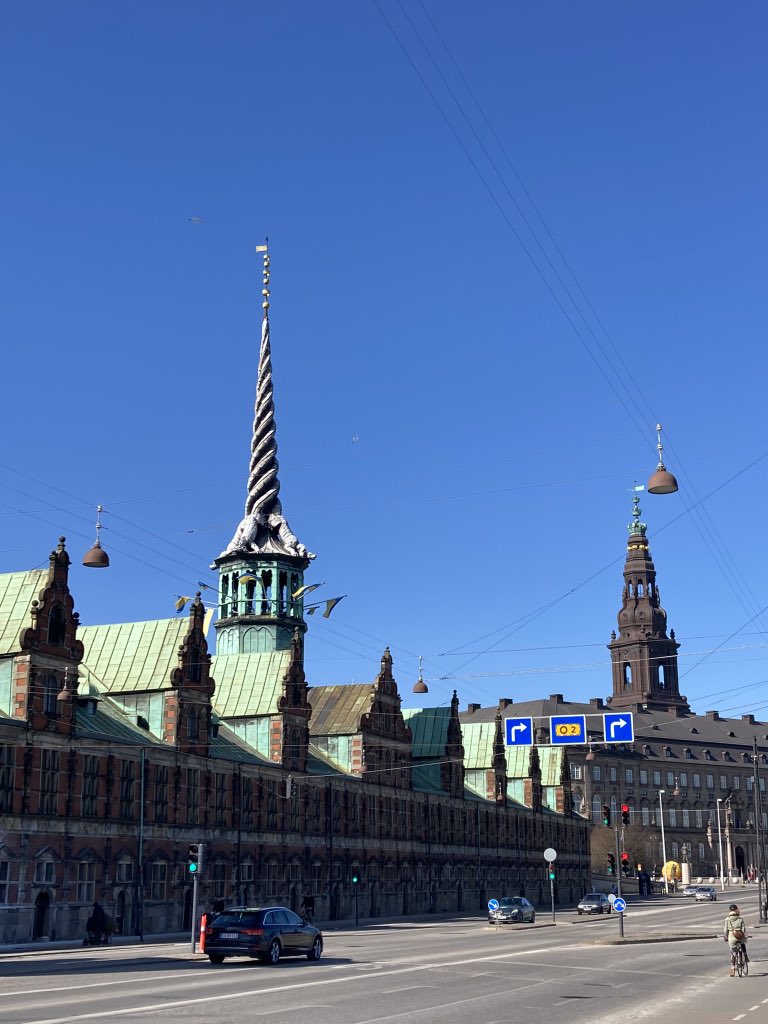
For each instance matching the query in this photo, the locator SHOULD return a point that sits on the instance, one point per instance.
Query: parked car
(266, 933)
(594, 903)
(514, 909)
(706, 892)
(690, 890)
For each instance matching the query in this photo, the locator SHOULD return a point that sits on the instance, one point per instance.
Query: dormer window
(667, 751)
(688, 753)
(708, 755)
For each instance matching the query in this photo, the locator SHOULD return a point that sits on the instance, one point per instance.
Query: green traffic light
(192, 868)
(354, 879)
(551, 876)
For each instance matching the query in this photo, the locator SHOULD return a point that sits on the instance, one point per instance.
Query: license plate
(230, 935)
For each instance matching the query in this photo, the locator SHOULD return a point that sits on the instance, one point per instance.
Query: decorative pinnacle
(264, 249)
(636, 526)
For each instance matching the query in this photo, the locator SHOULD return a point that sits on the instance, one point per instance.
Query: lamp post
(663, 843)
(720, 844)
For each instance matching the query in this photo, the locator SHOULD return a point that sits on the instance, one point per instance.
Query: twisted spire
(264, 529)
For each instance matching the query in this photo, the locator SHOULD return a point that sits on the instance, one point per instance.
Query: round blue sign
(493, 904)
(619, 905)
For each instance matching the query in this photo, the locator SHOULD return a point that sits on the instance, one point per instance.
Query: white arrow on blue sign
(519, 732)
(618, 728)
(493, 904)
(619, 905)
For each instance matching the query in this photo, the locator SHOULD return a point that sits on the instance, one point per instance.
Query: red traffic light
(625, 856)
(625, 808)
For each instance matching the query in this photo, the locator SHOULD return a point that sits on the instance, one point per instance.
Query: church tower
(643, 657)
(261, 571)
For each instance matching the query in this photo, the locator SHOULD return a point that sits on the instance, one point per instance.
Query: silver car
(705, 892)
(593, 903)
(512, 910)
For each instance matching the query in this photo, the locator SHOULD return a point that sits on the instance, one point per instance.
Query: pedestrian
(98, 922)
(735, 934)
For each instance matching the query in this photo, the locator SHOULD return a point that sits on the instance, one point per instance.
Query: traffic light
(606, 815)
(551, 874)
(625, 814)
(195, 858)
(611, 864)
(355, 878)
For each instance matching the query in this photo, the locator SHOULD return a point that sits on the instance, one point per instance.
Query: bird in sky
(196, 220)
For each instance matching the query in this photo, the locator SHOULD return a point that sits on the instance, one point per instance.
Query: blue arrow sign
(618, 728)
(519, 732)
(493, 904)
(567, 729)
(619, 905)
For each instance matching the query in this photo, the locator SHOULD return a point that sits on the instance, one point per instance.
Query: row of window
(673, 779)
(220, 876)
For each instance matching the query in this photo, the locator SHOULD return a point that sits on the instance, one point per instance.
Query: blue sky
(457, 432)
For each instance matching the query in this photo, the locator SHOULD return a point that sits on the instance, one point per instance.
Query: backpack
(738, 933)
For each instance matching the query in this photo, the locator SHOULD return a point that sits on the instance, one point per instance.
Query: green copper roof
(518, 762)
(17, 592)
(111, 723)
(426, 778)
(249, 685)
(551, 761)
(478, 744)
(429, 729)
(338, 709)
(128, 657)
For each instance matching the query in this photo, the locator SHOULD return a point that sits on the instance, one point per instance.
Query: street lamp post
(663, 843)
(720, 844)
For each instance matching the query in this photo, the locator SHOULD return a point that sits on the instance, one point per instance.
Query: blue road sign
(567, 729)
(519, 731)
(493, 904)
(618, 728)
(619, 905)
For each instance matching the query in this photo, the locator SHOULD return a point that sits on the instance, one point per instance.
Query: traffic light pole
(194, 912)
(618, 879)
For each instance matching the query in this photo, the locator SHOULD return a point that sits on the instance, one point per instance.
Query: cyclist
(735, 934)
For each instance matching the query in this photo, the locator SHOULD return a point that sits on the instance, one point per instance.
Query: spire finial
(264, 250)
(264, 529)
(636, 526)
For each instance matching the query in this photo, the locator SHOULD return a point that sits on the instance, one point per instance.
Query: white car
(690, 890)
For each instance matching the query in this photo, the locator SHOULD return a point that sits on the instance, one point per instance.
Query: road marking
(292, 987)
(391, 991)
(102, 984)
(753, 1008)
(739, 1017)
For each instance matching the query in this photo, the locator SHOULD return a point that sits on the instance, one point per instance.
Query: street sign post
(618, 728)
(493, 904)
(619, 905)
(567, 729)
(519, 732)
(550, 856)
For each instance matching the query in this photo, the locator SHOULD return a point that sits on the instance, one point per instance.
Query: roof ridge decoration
(264, 529)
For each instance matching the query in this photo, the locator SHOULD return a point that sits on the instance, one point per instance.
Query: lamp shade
(662, 482)
(96, 557)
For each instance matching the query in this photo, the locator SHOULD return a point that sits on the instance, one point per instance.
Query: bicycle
(739, 960)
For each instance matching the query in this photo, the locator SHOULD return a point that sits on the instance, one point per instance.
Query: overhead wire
(720, 554)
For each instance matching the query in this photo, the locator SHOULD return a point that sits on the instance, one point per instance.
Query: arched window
(49, 695)
(627, 675)
(192, 724)
(662, 678)
(56, 626)
(194, 665)
(645, 814)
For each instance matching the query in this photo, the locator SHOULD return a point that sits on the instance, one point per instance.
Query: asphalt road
(425, 972)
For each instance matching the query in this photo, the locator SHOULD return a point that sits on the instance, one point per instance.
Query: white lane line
(753, 1008)
(102, 984)
(391, 991)
(739, 1017)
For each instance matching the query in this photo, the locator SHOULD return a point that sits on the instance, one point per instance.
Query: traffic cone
(203, 923)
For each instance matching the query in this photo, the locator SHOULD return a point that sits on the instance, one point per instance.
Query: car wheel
(579, 912)
(533, 919)
(317, 949)
(599, 910)
(216, 958)
(273, 953)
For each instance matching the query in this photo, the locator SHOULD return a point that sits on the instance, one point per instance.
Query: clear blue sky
(495, 442)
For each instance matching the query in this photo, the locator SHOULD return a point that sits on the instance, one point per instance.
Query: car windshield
(511, 902)
(596, 898)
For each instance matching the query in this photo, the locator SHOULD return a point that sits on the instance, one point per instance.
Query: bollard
(203, 924)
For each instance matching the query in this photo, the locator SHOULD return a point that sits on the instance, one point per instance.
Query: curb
(652, 938)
